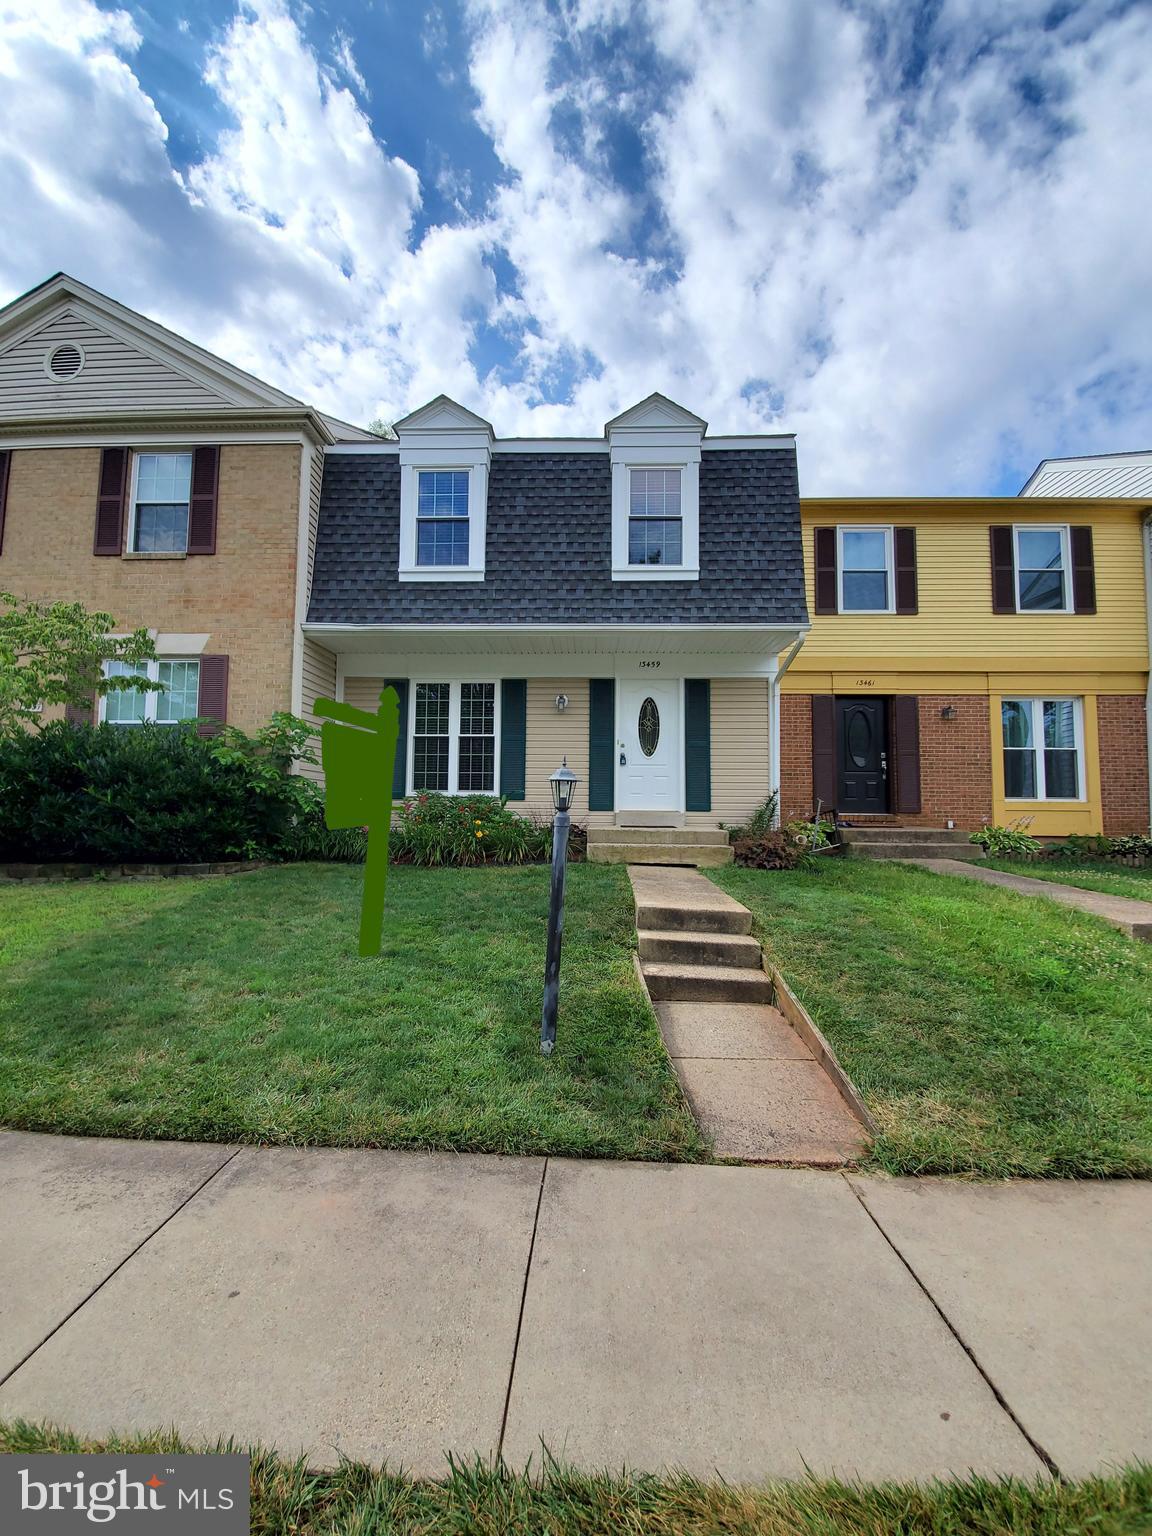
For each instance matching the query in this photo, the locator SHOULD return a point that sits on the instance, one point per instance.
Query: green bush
(1077, 847)
(1006, 842)
(811, 834)
(1133, 843)
(310, 838)
(150, 793)
(465, 829)
(761, 821)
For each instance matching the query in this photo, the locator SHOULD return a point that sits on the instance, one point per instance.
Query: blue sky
(915, 232)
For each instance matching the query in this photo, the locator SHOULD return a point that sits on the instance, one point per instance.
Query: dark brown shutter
(213, 704)
(110, 502)
(826, 601)
(1003, 570)
(202, 507)
(904, 540)
(906, 745)
(1083, 570)
(823, 751)
(5, 460)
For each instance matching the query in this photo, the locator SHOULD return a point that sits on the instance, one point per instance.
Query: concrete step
(732, 949)
(696, 855)
(969, 853)
(903, 834)
(649, 818)
(671, 837)
(656, 915)
(675, 982)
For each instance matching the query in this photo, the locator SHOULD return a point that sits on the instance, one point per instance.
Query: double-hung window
(1043, 749)
(442, 517)
(655, 518)
(1042, 566)
(865, 566)
(454, 738)
(179, 701)
(161, 495)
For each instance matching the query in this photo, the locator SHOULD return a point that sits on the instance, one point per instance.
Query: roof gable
(656, 413)
(442, 415)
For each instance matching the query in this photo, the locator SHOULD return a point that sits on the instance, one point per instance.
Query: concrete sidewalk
(744, 1321)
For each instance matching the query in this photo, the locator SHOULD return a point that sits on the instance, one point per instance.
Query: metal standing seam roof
(549, 547)
(1120, 474)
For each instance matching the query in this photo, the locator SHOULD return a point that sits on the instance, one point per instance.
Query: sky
(917, 233)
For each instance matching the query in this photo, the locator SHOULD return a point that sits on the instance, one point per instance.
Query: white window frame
(1036, 707)
(443, 460)
(455, 684)
(1065, 564)
(151, 698)
(889, 565)
(134, 471)
(687, 461)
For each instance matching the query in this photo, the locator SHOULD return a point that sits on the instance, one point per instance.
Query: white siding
(1121, 474)
(115, 376)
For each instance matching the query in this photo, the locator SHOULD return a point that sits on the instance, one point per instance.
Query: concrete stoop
(695, 847)
(889, 842)
(761, 1080)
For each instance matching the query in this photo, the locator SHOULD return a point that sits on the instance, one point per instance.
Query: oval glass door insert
(859, 739)
(648, 727)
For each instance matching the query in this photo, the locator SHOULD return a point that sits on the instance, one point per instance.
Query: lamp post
(563, 783)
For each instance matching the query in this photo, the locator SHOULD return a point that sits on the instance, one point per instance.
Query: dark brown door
(862, 756)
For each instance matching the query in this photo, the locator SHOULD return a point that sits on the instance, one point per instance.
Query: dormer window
(442, 517)
(445, 455)
(655, 518)
(655, 455)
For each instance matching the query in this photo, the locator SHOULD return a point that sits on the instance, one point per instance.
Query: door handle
(623, 761)
(884, 764)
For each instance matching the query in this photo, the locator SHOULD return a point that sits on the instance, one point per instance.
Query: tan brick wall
(242, 597)
(955, 761)
(1123, 762)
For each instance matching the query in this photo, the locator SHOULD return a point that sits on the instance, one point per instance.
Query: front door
(862, 756)
(648, 744)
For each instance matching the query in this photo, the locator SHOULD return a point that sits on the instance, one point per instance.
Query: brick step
(731, 949)
(903, 835)
(672, 837)
(675, 982)
(658, 916)
(694, 854)
(969, 853)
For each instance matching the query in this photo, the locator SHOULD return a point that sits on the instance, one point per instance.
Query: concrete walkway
(747, 1321)
(1131, 917)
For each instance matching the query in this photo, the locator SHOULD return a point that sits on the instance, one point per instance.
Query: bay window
(454, 730)
(1043, 749)
(179, 701)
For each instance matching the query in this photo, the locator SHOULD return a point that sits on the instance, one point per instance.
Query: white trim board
(466, 666)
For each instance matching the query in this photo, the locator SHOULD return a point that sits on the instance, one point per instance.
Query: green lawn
(238, 1009)
(989, 1032)
(1115, 879)
(478, 1499)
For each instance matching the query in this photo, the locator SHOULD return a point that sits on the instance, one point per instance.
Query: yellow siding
(955, 622)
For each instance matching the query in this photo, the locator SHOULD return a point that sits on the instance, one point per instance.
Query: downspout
(774, 722)
(1148, 617)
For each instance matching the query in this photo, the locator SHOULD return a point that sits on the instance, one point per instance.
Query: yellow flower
(479, 834)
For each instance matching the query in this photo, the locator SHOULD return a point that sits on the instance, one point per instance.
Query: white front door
(648, 747)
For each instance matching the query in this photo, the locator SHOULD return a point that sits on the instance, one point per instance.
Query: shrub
(811, 834)
(771, 850)
(1076, 847)
(311, 839)
(150, 794)
(466, 829)
(761, 821)
(1132, 843)
(1007, 842)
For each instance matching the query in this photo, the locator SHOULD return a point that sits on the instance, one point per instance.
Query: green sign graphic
(358, 750)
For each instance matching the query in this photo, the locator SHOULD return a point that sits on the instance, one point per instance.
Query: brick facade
(242, 597)
(1123, 762)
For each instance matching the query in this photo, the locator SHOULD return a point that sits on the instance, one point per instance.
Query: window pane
(1039, 549)
(1041, 590)
(477, 709)
(443, 493)
(866, 589)
(864, 550)
(1060, 776)
(1016, 718)
(432, 709)
(181, 701)
(654, 541)
(126, 707)
(1059, 723)
(655, 493)
(161, 528)
(163, 476)
(442, 542)
(430, 741)
(1020, 775)
(477, 738)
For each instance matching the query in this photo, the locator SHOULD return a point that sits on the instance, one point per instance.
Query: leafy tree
(54, 653)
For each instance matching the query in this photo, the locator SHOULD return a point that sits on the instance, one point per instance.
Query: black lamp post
(563, 783)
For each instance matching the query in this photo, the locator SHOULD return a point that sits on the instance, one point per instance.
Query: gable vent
(65, 361)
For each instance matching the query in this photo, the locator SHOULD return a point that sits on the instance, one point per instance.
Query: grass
(1116, 880)
(237, 1009)
(487, 1499)
(990, 1033)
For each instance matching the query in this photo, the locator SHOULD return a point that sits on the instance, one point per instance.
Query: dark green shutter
(513, 737)
(400, 771)
(602, 744)
(697, 744)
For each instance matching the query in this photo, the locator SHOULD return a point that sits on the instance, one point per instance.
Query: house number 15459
(645, 664)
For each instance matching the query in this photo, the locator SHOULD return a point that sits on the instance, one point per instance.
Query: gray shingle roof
(549, 555)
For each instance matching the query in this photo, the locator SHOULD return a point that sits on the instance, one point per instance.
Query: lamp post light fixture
(563, 783)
